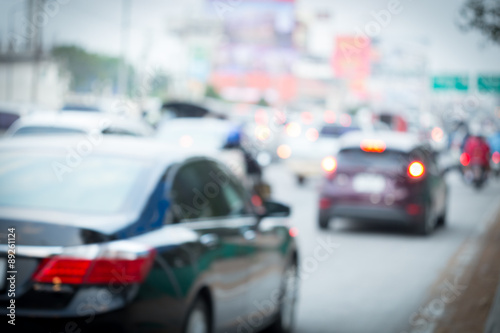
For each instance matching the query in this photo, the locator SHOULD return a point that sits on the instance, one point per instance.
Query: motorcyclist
(477, 150)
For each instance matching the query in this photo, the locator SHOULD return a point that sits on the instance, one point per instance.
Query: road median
(477, 309)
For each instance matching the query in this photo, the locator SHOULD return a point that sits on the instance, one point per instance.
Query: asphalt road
(374, 278)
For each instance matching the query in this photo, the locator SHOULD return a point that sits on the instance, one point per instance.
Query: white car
(75, 122)
(308, 149)
(205, 135)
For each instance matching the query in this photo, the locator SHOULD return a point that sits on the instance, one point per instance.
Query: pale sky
(96, 24)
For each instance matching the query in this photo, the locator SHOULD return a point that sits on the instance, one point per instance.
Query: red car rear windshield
(358, 157)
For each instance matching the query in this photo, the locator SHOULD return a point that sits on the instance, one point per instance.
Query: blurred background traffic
(350, 112)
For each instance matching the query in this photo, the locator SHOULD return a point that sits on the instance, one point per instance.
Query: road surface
(377, 278)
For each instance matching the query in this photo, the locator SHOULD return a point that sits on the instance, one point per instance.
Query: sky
(96, 25)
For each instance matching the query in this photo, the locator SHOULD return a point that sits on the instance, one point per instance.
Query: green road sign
(488, 83)
(441, 83)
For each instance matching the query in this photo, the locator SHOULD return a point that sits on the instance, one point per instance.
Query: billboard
(258, 50)
(352, 57)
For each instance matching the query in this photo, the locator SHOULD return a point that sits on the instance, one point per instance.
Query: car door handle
(209, 240)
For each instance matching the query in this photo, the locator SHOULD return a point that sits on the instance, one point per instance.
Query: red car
(383, 177)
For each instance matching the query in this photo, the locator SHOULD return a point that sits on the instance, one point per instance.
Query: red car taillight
(324, 203)
(413, 209)
(121, 262)
(329, 165)
(495, 157)
(416, 169)
(465, 159)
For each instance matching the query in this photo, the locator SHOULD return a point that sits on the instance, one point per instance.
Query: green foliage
(211, 92)
(88, 69)
(484, 16)
(262, 102)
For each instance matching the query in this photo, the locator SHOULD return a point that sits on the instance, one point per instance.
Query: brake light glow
(293, 129)
(115, 263)
(262, 132)
(495, 157)
(465, 159)
(324, 203)
(437, 134)
(373, 146)
(329, 164)
(329, 117)
(312, 134)
(416, 170)
(293, 232)
(284, 151)
(306, 117)
(413, 209)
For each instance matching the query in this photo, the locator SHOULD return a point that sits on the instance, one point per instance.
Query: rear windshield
(335, 131)
(42, 130)
(357, 157)
(97, 184)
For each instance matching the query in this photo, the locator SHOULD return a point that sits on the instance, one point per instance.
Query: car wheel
(197, 320)
(323, 221)
(285, 319)
(427, 225)
(441, 222)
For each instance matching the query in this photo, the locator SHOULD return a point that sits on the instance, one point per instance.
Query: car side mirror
(276, 209)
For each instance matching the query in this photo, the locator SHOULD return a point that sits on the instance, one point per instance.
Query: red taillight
(495, 157)
(416, 170)
(293, 232)
(329, 164)
(58, 270)
(373, 146)
(413, 209)
(114, 266)
(324, 203)
(123, 271)
(465, 159)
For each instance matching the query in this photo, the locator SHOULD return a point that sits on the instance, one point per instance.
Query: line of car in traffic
(172, 229)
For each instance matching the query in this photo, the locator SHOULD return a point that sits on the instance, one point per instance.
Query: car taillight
(324, 203)
(465, 159)
(122, 262)
(413, 209)
(373, 146)
(416, 170)
(329, 164)
(495, 157)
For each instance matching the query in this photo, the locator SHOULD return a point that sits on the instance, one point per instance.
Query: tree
(484, 16)
(211, 92)
(89, 69)
(262, 102)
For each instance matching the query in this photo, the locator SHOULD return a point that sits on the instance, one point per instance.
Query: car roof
(73, 119)
(193, 122)
(110, 145)
(399, 141)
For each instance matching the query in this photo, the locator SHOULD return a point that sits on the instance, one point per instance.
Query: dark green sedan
(125, 234)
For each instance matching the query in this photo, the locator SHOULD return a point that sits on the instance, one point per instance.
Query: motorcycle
(474, 173)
